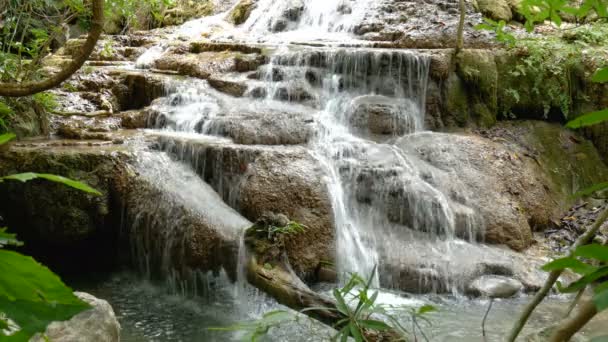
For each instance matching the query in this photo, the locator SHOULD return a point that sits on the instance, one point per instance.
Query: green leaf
(592, 251)
(589, 119)
(601, 300)
(584, 281)
(6, 137)
(32, 296)
(374, 325)
(28, 176)
(340, 303)
(590, 190)
(601, 76)
(7, 239)
(354, 330)
(426, 309)
(571, 263)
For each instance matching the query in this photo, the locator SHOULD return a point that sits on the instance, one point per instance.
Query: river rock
(381, 115)
(232, 88)
(494, 287)
(264, 128)
(96, 324)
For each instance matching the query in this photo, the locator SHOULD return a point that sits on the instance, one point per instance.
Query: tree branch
(570, 326)
(34, 87)
(553, 277)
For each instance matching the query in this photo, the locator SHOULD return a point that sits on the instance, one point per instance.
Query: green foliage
(589, 262)
(589, 119)
(47, 101)
(498, 27)
(32, 296)
(28, 176)
(356, 303)
(7, 239)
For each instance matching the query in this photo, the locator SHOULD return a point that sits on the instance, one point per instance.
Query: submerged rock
(96, 324)
(494, 287)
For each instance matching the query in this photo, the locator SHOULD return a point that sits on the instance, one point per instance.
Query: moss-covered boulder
(495, 9)
(241, 12)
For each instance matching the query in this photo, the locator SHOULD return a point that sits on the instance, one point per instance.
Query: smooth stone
(494, 286)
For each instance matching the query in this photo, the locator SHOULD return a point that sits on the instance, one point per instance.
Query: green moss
(457, 101)
(572, 162)
(241, 12)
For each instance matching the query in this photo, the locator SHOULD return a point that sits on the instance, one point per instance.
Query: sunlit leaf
(600, 76)
(569, 262)
(589, 119)
(6, 137)
(592, 251)
(7, 239)
(584, 281)
(28, 176)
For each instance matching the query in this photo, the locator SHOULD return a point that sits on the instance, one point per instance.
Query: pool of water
(150, 312)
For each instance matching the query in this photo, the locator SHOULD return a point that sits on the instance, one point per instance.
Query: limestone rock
(494, 287)
(96, 324)
(229, 87)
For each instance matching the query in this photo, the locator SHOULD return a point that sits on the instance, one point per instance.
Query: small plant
(498, 27)
(291, 228)
(107, 50)
(362, 318)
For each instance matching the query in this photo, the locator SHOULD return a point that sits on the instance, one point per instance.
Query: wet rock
(96, 324)
(138, 90)
(381, 115)
(494, 287)
(293, 94)
(207, 46)
(265, 129)
(229, 87)
(259, 179)
(180, 232)
(293, 187)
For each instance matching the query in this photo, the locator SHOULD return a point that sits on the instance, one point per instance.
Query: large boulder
(257, 180)
(264, 128)
(292, 184)
(514, 185)
(96, 324)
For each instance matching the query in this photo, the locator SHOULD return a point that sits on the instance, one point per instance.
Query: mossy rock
(495, 9)
(241, 12)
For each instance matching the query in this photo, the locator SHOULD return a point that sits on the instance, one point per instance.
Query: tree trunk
(31, 88)
(460, 33)
(570, 326)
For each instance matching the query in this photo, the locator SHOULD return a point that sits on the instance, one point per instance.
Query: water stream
(390, 211)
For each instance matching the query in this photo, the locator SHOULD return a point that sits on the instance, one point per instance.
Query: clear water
(150, 313)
